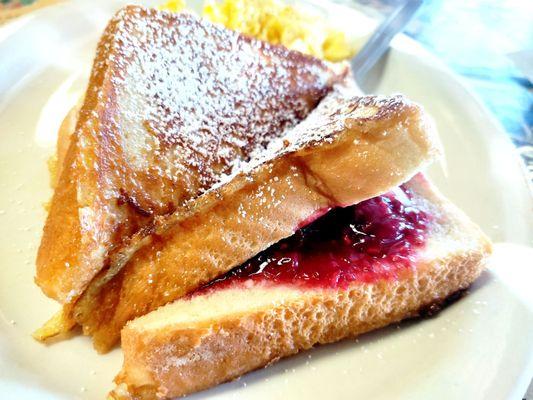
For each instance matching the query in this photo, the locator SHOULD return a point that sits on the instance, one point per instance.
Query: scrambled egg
(277, 23)
(173, 5)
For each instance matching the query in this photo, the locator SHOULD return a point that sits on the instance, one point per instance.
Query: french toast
(221, 203)
(407, 251)
(348, 149)
(172, 102)
(112, 204)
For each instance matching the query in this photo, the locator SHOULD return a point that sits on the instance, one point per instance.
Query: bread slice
(348, 149)
(172, 103)
(203, 340)
(66, 129)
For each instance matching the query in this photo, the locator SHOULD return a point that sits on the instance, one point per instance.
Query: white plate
(479, 348)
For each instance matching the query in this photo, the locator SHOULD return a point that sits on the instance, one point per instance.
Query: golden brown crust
(62, 218)
(64, 264)
(61, 241)
(57, 162)
(173, 359)
(349, 149)
(64, 135)
(367, 146)
(149, 139)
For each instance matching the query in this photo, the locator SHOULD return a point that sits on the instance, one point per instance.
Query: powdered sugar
(172, 361)
(194, 99)
(340, 110)
(175, 107)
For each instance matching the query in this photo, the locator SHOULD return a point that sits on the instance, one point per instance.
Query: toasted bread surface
(349, 149)
(57, 162)
(172, 103)
(198, 342)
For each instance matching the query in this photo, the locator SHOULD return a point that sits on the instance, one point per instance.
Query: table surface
(475, 39)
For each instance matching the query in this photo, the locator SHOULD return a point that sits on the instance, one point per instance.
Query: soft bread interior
(202, 310)
(194, 312)
(450, 235)
(211, 338)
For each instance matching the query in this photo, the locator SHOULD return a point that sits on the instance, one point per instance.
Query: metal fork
(378, 43)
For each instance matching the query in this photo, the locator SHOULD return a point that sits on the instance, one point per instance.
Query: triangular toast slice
(348, 149)
(381, 261)
(173, 101)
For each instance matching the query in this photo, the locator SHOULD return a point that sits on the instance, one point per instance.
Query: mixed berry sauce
(375, 239)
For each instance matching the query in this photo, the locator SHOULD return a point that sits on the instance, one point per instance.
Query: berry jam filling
(372, 240)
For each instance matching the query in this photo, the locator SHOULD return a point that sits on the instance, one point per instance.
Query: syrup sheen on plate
(372, 240)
